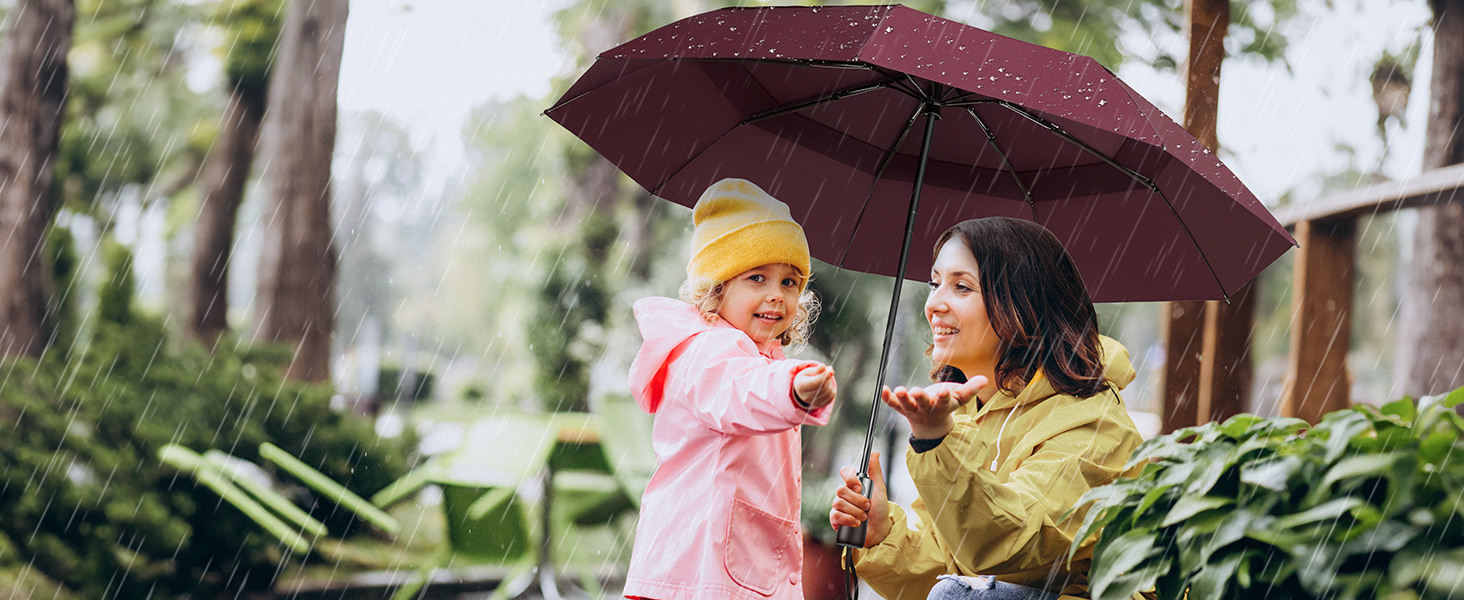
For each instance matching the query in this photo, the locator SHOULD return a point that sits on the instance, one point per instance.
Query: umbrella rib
(833, 97)
(808, 62)
(991, 137)
(1060, 132)
(766, 115)
(878, 173)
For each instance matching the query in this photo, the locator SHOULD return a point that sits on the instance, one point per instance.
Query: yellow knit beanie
(739, 227)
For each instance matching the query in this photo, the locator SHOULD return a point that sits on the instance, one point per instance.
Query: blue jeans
(985, 587)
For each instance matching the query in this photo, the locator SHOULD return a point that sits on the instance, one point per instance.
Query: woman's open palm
(929, 408)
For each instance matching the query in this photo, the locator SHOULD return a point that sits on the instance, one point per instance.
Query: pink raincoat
(720, 516)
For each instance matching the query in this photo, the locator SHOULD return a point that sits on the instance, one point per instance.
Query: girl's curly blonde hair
(705, 294)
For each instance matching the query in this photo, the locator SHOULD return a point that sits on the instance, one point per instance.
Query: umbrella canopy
(819, 106)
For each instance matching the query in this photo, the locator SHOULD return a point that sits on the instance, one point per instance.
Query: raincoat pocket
(760, 547)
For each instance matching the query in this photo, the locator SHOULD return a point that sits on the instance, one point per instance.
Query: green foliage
(390, 386)
(251, 30)
(130, 119)
(62, 322)
(567, 333)
(89, 505)
(1365, 504)
(1094, 27)
(116, 293)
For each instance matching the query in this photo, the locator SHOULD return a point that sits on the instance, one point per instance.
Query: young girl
(719, 518)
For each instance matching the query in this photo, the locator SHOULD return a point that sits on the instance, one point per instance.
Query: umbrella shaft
(884, 356)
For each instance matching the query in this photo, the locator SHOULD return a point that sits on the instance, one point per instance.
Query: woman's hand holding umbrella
(851, 508)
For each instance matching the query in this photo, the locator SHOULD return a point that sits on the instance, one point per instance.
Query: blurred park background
(348, 232)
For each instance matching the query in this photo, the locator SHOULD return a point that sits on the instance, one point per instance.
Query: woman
(1024, 418)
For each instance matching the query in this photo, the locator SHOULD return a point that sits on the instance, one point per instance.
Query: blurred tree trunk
(1186, 336)
(1431, 344)
(225, 172)
(295, 302)
(33, 87)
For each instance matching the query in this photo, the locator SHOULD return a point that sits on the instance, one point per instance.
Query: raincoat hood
(666, 326)
(1118, 371)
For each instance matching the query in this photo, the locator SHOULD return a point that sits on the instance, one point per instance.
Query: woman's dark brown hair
(1037, 305)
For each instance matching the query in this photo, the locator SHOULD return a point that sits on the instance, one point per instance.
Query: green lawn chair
(586, 492)
(625, 436)
(233, 479)
(487, 521)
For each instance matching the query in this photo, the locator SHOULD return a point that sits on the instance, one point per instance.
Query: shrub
(1366, 504)
(88, 504)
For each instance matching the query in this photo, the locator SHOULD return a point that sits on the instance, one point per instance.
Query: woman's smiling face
(962, 333)
(762, 301)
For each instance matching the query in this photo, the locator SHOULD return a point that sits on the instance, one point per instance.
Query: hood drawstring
(1008, 419)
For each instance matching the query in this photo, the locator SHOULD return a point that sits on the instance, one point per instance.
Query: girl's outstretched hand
(815, 386)
(851, 508)
(929, 408)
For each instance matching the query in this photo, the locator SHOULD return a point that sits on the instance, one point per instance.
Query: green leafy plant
(86, 501)
(1368, 503)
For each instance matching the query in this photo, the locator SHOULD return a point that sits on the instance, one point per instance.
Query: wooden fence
(1317, 381)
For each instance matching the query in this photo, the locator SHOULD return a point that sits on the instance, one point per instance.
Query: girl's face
(956, 310)
(762, 301)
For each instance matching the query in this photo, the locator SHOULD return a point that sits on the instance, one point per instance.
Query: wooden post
(1321, 325)
(1225, 369)
(1185, 337)
(1183, 342)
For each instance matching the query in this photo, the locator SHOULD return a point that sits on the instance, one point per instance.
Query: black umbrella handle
(853, 537)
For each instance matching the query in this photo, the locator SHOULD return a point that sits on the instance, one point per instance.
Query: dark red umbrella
(819, 106)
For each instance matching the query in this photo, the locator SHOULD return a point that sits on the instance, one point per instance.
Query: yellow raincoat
(992, 494)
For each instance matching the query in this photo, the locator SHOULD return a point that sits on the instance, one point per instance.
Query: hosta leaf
(1365, 517)
(1131, 490)
(1272, 474)
(1443, 574)
(1454, 398)
(1438, 445)
(1231, 530)
(1189, 506)
(1097, 518)
(1162, 492)
(1174, 473)
(1393, 437)
(1316, 567)
(1404, 409)
(1402, 483)
(1353, 587)
(1164, 447)
(1331, 509)
(1456, 419)
(1243, 572)
(1128, 584)
(1380, 418)
(1409, 565)
(1238, 425)
(1115, 557)
(1214, 461)
(1210, 582)
(1388, 536)
(1172, 584)
(1341, 429)
(1366, 465)
(1203, 523)
(1265, 530)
